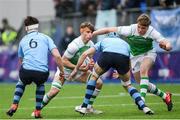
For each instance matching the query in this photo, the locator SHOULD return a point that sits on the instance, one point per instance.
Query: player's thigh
(29, 76)
(146, 64)
(147, 61)
(25, 76)
(40, 77)
(135, 63)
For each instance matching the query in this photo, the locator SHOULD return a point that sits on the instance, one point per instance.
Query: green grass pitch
(113, 101)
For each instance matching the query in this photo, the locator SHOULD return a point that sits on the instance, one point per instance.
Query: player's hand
(61, 76)
(73, 73)
(164, 45)
(168, 47)
(91, 64)
(115, 74)
(84, 68)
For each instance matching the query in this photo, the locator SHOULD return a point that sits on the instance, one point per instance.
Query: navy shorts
(29, 76)
(117, 61)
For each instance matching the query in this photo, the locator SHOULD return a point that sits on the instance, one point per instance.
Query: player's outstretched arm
(105, 30)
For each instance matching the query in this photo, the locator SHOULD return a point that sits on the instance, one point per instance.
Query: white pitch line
(101, 105)
(104, 96)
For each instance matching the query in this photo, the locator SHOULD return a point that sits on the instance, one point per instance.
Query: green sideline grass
(113, 101)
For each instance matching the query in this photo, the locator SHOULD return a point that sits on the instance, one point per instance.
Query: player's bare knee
(99, 84)
(126, 84)
(56, 86)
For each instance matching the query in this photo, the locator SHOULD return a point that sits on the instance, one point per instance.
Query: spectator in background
(167, 3)
(8, 33)
(106, 15)
(62, 7)
(67, 38)
(153, 3)
(141, 4)
(87, 7)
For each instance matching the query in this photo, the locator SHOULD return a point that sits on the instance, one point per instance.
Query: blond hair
(88, 25)
(144, 20)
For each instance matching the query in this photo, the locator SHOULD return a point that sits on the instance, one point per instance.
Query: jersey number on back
(32, 44)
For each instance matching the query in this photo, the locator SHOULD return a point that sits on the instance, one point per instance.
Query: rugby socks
(91, 84)
(154, 90)
(45, 101)
(20, 87)
(137, 97)
(40, 91)
(144, 86)
(95, 94)
(47, 97)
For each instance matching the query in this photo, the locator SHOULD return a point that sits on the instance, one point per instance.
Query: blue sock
(137, 97)
(20, 87)
(40, 91)
(89, 92)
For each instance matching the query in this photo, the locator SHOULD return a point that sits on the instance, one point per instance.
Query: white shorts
(67, 72)
(137, 60)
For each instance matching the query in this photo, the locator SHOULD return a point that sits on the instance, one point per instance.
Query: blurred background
(60, 19)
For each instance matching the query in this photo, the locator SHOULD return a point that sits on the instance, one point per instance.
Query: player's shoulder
(133, 26)
(44, 36)
(74, 42)
(151, 31)
(24, 39)
(151, 28)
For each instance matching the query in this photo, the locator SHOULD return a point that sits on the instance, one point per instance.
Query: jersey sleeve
(20, 52)
(155, 35)
(51, 44)
(125, 30)
(97, 46)
(71, 50)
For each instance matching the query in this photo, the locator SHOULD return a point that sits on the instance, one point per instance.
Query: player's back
(114, 44)
(34, 48)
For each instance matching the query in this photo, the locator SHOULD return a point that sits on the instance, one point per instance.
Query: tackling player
(113, 49)
(140, 37)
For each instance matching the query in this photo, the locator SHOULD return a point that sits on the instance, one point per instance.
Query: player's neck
(84, 41)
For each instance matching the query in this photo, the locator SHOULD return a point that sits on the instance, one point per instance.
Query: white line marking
(102, 105)
(104, 96)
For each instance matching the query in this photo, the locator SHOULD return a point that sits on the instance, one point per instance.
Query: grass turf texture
(113, 101)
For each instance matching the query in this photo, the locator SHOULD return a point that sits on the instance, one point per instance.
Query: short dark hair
(144, 20)
(88, 25)
(30, 21)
